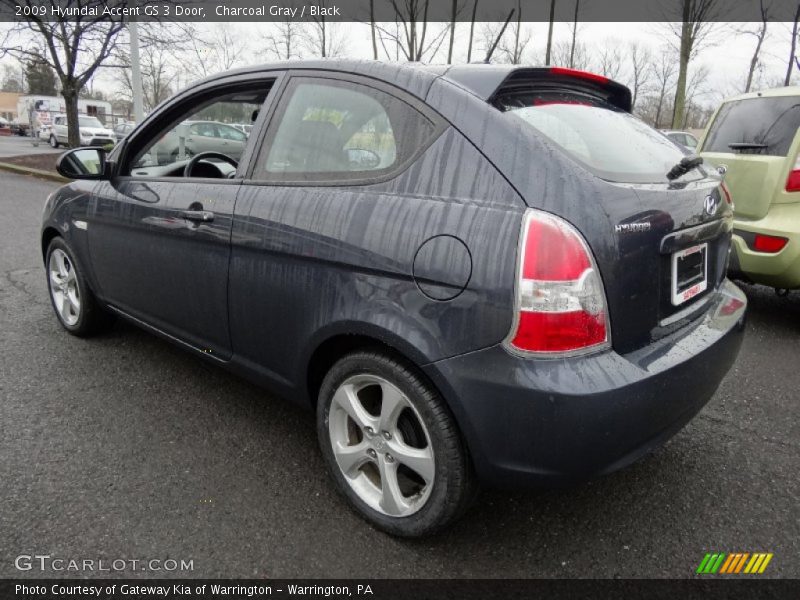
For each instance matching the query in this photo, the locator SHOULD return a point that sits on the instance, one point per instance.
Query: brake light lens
(578, 74)
(560, 304)
(768, 243)
(793, 181)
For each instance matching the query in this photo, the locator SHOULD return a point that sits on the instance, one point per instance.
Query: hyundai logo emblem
(722, 169)
(710, 205)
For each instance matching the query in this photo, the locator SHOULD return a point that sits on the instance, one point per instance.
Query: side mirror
(82, 163)
(362, 160)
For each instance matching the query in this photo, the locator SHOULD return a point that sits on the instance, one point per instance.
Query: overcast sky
(727, 56)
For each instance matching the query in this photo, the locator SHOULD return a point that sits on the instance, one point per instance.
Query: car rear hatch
(661, 244)
(750, 139)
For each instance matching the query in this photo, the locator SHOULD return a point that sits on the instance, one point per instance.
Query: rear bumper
(531, 422)
(781, 269)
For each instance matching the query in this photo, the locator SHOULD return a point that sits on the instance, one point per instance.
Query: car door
(203, 137)
(232, 140)
(314, 233)
(160, 242)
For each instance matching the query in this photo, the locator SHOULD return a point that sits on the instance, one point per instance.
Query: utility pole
(136, 73)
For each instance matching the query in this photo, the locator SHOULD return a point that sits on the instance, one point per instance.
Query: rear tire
(391, 445)
(53, 142)
(73, 302)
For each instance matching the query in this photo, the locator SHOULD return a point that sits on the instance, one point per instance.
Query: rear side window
(340, 130)
(764, 125)
(609, 142)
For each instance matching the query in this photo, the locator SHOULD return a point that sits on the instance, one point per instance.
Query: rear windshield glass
(769, 124)
(609, 142)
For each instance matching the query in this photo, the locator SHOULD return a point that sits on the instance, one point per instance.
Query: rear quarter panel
(313, 262)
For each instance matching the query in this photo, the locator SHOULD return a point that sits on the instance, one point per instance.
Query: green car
(753, 140)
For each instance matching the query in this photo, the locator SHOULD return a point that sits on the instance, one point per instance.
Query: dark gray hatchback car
(472, 273)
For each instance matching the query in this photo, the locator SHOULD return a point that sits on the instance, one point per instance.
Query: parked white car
(92, 132)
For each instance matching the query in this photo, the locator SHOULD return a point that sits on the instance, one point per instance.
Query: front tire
(53, 142)
(73, 302)
(391, 445)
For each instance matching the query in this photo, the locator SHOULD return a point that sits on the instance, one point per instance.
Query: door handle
(203, 216)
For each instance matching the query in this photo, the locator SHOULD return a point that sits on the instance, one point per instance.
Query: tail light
(793, 181)
(768, 243)
(560, 302)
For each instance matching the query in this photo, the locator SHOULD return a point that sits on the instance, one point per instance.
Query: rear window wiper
(746, 146)
(692, 161)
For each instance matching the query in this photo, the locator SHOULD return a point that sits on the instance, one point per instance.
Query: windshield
(611, 143)
(90, 122)
(768, 124)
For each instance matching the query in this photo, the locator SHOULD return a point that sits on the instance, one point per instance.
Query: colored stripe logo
(734, 563)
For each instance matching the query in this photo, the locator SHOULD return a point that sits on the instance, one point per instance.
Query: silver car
(200, 136)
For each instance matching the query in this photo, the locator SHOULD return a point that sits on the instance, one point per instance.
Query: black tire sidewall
(449, 487)
(53, 142)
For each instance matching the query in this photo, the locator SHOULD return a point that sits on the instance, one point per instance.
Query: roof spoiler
(560, 77)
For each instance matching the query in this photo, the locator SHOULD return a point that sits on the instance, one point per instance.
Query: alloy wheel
(64, 287)
(381, 445)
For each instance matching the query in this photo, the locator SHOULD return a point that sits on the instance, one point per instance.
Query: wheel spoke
(419, 460)
(59, 256)
(350, 458)
(392, 500)
(392, 404)
(346, 398)
(59, 299)
(72, 298)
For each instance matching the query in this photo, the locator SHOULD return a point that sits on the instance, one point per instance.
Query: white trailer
(44, 109)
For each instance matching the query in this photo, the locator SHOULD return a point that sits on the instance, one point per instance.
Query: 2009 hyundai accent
(473, 274)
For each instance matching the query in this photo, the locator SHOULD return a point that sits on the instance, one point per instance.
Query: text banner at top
(397, 10)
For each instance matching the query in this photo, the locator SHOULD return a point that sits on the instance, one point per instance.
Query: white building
(45, 108)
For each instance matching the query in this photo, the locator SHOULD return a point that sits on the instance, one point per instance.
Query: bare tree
(455, 9)
(793, 51)
(373, 30)
(283, 40)
(472, 29)
(322, 37)
(610, 59)
(574, 56)
(75, 48)
(414, 36)
(574, 35)
(641, 69)
(688, 37)
(159, 51)
(664, 75)
(550, 32)
(760, 34)
(508, 40)
(210, 51)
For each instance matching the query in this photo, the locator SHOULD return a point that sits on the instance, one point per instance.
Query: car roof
(416, 78)
(792, 90)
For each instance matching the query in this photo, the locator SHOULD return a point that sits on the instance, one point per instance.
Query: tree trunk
(574, 35)
(550, 33)
(70, 95)
(683, 68)
(372, 27)
(793, 51)
(452, 32)
(754, 60)
(472, 30)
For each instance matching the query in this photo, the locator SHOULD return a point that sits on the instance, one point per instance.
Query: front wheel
(73, 302)
(392, 446)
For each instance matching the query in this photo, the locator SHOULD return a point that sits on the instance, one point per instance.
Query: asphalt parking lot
(125, 447)
(14, 145)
